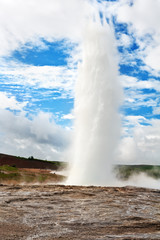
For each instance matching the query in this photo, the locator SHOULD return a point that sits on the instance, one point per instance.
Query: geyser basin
(97, 99)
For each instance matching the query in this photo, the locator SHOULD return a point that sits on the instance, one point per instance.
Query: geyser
(97, 99)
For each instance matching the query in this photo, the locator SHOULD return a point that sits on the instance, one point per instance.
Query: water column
(97, 100)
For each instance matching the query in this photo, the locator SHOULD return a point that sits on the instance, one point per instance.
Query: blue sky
(40, 49)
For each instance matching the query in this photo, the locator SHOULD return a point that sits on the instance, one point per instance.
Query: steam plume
(97, 99)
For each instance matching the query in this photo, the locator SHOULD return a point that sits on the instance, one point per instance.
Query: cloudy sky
(39, 53)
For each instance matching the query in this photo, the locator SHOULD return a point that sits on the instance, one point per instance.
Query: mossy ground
(124, 172)
(10, 174)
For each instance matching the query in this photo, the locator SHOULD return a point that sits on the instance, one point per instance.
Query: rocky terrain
(70, 212)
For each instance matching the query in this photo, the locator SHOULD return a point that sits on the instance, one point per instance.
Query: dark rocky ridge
(20, 162)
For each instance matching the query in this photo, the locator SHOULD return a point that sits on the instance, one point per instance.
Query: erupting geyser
(97, 99)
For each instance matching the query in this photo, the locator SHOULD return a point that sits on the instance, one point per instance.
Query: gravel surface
(70, 212)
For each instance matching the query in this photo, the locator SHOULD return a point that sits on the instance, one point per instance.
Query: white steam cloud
(97, 99)
(140, 180)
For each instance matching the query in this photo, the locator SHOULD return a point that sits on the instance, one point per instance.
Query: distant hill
(21, 162)
(124, 172)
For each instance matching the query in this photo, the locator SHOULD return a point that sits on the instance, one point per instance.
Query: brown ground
(34, 170)
(30, 176)
(65, 212)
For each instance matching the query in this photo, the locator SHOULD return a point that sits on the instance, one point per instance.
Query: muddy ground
(71, 212)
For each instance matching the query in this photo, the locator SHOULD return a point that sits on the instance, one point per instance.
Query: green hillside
(124, 172)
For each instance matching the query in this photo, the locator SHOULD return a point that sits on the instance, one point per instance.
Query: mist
(140, 180)
(98, 96)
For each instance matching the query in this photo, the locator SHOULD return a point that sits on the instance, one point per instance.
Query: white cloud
(30, 21)
(156, 110)
(39, 136)
(153, 57)
(9, 101)
(143, 21)
(136, 95)
(144, 15)
(60, 77)
(135, 83)
(125, 40)
(136, 120)
(143, 145)
(68, 116)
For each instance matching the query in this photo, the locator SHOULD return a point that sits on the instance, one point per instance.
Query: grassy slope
(10, 174)
(124, 172)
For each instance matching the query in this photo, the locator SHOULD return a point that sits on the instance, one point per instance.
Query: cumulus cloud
(143, 145)
(68, 116)
(10, 102)
(29, 23)
(153, 57)
(142, 14)
(133, 82)
(156, 110)
(125, 40)
(38, 136)
(34, 20)
(143, 21)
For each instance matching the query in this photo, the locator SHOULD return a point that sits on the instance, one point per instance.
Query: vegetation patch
(124, 172)
(9, 174)
(8, 168)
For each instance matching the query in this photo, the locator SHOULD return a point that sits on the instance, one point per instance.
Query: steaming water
(97, 99)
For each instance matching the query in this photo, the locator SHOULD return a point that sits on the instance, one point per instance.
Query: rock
(74, 212)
